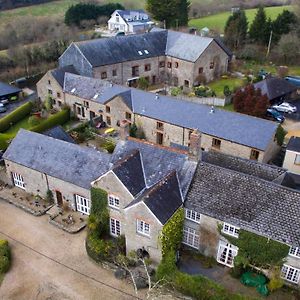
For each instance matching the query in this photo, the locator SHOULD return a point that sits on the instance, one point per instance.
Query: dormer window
(140, 52)
(146, 51)
(230, 230)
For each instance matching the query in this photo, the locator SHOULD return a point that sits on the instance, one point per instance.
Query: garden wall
(207, 100)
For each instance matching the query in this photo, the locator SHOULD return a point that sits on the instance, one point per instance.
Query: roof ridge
(167, 148)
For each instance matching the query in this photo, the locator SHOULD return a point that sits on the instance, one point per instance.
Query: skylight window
(73, 90)
(146, 51)
(95, 97)
(140, 52)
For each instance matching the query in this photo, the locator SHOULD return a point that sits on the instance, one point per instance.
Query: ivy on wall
(171, 235)
(99, 217)
(258, 250)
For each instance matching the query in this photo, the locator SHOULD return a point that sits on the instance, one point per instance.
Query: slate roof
(139, 13)
(291, 180)
(253, 204)
(246, 166)
(66, 161)
(235, 127)
(107, 51)
(163, 198)
(59, 73)
(293, 144)
(7, 89)
(158, 161)
(58, 133)
(275, 87)
(130, 171)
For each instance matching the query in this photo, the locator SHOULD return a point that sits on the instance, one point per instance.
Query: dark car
(275, 115)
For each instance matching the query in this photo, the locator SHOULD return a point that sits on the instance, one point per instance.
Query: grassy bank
(218, 21)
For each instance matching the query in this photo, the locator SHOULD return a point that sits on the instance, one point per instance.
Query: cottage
(234, 194)
(9, 92)
(130, 21)
(169, 121)
(292, 155)
(38, 163)
(277, 89)
(160, 56)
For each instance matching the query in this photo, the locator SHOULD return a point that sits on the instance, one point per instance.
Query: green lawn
(217, 22)
(15, 128)
(218, 85)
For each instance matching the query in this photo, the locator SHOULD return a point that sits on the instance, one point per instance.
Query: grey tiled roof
(58, 133)
(164, 198)
(130, 171)
(66, 161)
(59, 73)
(238, 128)
(107, 51)
(7, 89)
(158, 161)
(293, 144)
(253, 204)
(275, 87)
(250, 167)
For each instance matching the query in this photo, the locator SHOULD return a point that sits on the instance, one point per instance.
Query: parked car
(285, 107)
(4, 101)
(2, 108)
(275, 115)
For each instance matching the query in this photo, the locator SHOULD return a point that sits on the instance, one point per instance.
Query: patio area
(199, 265)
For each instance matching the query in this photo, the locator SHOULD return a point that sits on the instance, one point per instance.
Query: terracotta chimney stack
(124, 130)
(195, 145)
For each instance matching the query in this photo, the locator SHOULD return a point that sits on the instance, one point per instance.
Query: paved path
(51, 264)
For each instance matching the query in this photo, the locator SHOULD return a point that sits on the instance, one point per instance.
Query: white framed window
(290, 274)
(115, 227)
(113, 201)
(226, 254)
(143, 227)
(83, 204)
(295, 251)
(190, 237)
(18, 180)
(192, 215)
(230, 230)
(297, 159)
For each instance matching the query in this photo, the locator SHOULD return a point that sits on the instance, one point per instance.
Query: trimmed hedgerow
(5, 256)
(59, 118)
(15, 116)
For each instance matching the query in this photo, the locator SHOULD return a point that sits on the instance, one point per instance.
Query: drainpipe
(47, 181)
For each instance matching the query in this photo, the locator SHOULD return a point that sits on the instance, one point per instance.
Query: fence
(207, 100)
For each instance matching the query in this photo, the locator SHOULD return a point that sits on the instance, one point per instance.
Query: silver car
(285, 107)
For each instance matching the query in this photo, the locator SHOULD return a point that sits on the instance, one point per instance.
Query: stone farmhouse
(147, 183)
(166, 120)
(160, 56)
(130, 21)
(292, 155)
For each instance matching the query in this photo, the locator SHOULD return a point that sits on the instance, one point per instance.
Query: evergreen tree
(236, 29)
(261, 27)
(283, 24)
(172, 12)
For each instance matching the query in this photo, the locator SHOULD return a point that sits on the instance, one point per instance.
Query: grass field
(217, 22)
(218, 85)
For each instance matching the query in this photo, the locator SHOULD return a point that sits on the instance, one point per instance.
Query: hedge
(15, 116)
(5, 256)
(59, 118)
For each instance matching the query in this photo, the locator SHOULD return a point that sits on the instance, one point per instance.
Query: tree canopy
(172, 12)
(250, 101)
(88, 11)
(236, 29)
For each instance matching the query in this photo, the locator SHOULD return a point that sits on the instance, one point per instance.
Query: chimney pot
(195, 145)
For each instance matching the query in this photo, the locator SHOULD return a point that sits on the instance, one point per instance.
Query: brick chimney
(124, 130)
(195, 145)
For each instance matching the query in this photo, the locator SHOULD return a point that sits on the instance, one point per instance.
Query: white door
(226, 254)
(18, 180)
(83, 204)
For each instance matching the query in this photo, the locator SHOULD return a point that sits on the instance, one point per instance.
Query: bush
(34, 121)
(15, 116)
(5, 256)
(58, 119)
(280, 134)
(109, 146)
(176, 91)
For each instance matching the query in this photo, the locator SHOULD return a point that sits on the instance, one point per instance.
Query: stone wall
(289, 162)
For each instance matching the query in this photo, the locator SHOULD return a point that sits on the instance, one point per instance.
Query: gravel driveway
(51, 264)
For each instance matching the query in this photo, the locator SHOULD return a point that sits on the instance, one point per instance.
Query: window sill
(143, 234)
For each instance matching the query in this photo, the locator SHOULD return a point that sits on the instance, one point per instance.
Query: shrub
(58, 119)
(34, 121)
(5, 256)
(109, 146)
(280, 134)
(133, 130)
(143, 83)
(276, 281)
(175, 91)
(15, 116)
(226, 91)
